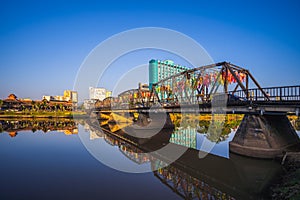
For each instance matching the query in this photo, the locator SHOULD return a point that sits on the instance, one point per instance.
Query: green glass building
(159, 70)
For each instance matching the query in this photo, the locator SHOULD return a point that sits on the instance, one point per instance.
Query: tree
(1, 103)
(62, 108)
(33, 103)
(22, 107)
(44, 104)
(56, 107)
(38, 106)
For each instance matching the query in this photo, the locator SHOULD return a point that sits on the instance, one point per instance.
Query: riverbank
(44, 114)
(288, 185)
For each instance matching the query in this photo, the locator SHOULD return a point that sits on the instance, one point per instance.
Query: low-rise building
(49, 103)
(108, 94)
(48, 98)
(71, 96)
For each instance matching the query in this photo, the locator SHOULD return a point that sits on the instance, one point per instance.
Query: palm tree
(38, 106)
(33, 103)
(44, 104)
(61, 107)
(23, 108)
(55, 107)
(1, 103)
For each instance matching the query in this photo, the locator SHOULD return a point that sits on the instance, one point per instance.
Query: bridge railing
(284, 93)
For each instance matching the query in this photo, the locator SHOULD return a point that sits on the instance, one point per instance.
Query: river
(74, 159)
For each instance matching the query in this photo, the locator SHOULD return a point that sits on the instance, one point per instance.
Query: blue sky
(43, 43)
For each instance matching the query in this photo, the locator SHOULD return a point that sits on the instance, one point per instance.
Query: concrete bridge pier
(155, 120)
(264, 136)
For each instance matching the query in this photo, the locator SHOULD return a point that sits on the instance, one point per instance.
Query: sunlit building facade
(71, 96)
(99, 93)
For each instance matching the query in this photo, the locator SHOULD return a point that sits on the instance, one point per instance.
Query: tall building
(97, 93)
(159, 70)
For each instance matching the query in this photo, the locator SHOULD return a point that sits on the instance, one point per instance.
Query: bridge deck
(241, 107)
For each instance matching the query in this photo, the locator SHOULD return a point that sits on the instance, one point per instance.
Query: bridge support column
(264, 136)
(157, 120)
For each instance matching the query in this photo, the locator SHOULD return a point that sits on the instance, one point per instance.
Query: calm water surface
(60, 162)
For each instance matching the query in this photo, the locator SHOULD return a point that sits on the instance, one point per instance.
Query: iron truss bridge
(221, 85)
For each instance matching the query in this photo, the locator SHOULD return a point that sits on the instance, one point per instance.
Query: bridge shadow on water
(191, 177)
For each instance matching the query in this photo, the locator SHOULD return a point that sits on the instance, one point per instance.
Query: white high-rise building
(97, 93)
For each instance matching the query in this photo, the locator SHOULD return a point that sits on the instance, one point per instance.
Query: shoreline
(287, 185)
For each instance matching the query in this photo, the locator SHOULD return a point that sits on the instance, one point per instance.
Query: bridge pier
(155, 120)
(264, 136)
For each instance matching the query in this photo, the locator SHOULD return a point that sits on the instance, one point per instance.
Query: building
(59, 98)
(48, 103)
(99, 93)
(71, 96)
(54, 98)
(159, 70)
(12, 97)
(89, 103)
(143, 87)
(96, 95)
(11, 103)
(69, 99)
(108, 93)
(48, 97)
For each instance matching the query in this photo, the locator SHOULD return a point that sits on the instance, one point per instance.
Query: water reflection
(213, 177)
(295, 121)
(201, 124)
(13, 126)
(188, 127)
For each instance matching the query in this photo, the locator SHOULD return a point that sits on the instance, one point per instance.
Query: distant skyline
(43, 43)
